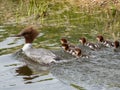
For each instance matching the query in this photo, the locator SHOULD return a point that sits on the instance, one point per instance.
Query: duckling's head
(63, 41)
(100, 38)
(78, 51)
(65, 46)
(116, 44)
(82, 40)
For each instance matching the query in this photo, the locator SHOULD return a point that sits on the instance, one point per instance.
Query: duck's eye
(25, 33)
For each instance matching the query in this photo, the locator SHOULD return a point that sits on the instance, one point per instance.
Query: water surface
(101, 71)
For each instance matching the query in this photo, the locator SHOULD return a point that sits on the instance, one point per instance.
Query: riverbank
(99, 16)
(25, 11)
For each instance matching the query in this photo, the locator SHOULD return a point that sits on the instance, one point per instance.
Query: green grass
(58, 19)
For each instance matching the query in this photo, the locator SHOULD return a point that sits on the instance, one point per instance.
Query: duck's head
(78, 51)
(116, 44)
(29, 34)
(65, 46)
(100, 38)
(63, 41)
(82, 40)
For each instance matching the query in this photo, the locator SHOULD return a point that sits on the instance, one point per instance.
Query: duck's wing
(42, 56)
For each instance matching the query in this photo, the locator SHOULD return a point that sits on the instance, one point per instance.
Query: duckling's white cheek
(63, 47)
(61, 42)
(80, 41)
(98, 39)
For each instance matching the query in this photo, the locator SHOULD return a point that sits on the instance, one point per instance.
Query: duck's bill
(18, 35)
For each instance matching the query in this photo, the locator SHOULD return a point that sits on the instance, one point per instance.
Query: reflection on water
(24, 70)
(15, 75)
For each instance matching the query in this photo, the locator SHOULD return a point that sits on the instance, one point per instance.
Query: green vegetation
(62, 18)
(91, 17)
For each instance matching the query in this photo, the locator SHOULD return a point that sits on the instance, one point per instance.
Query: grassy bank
(88, 16)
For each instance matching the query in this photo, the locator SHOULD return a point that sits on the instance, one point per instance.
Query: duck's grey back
(41, 55)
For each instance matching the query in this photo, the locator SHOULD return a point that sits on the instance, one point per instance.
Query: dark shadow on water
(24, 70)
(26, 73)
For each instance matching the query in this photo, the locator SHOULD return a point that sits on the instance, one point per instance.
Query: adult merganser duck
(105, 42)
(90, 45)
(41, 56)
